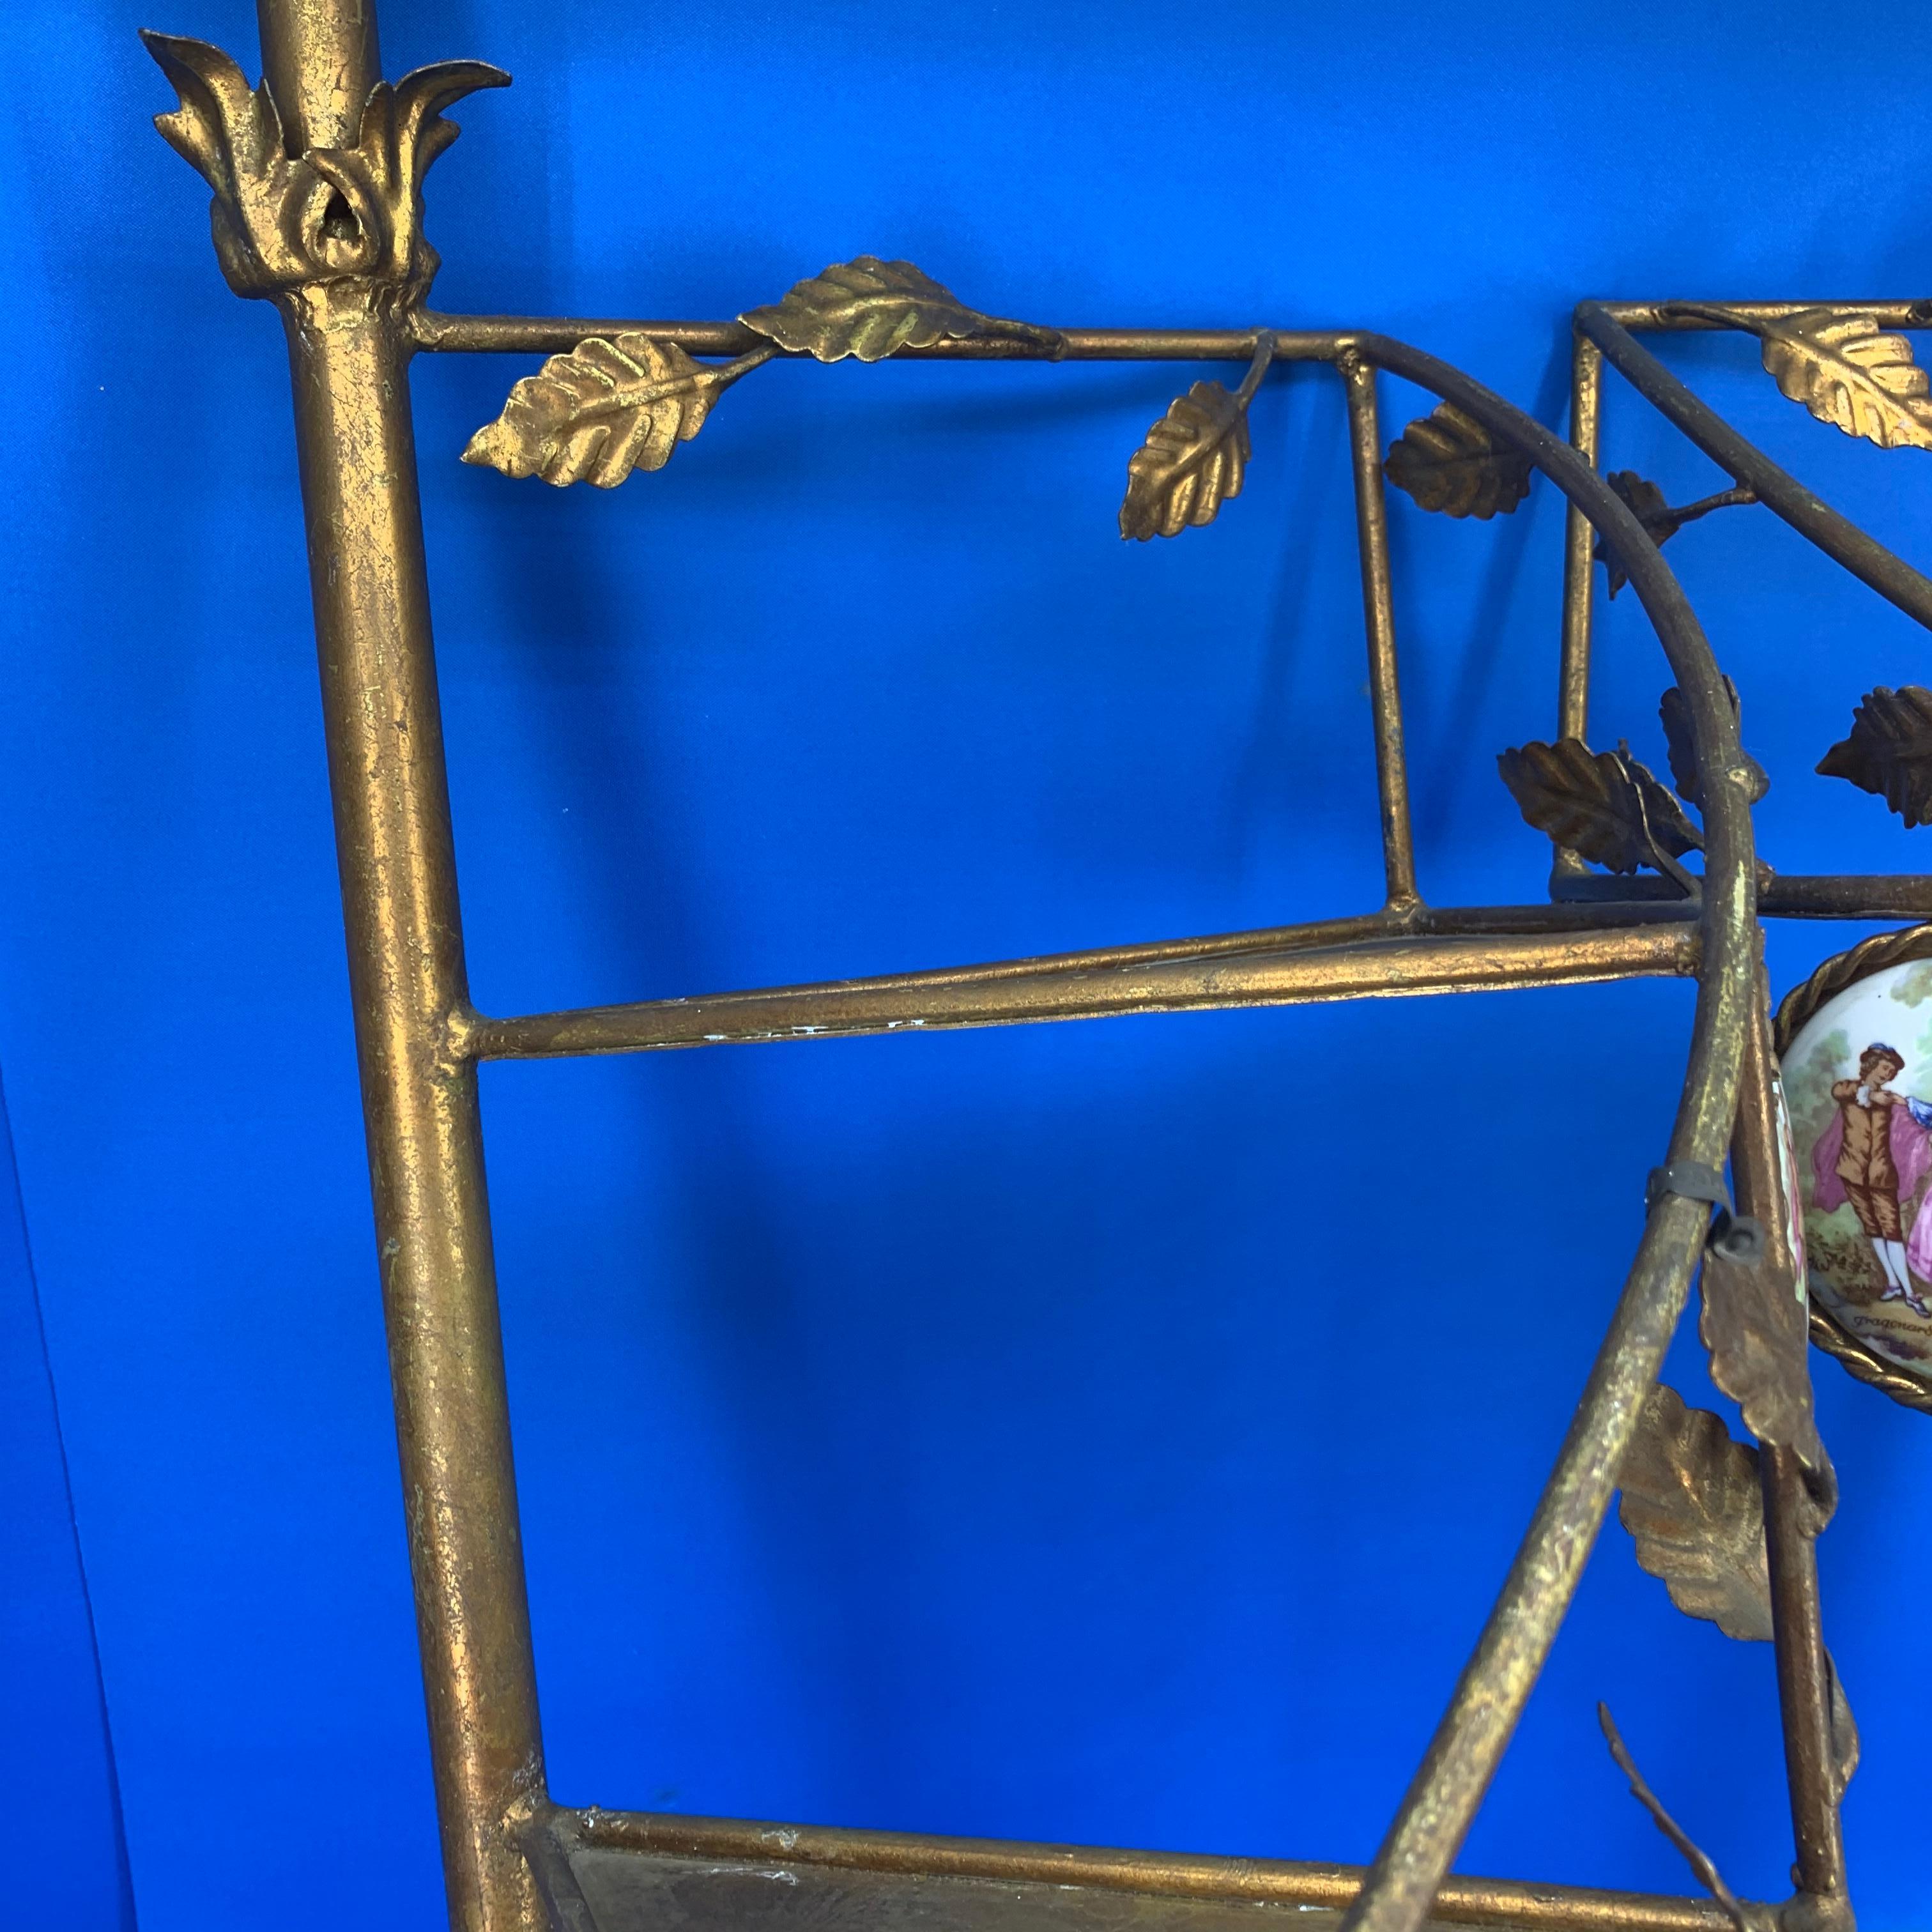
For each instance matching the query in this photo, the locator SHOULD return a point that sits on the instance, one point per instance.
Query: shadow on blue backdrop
(1110, 1433)
(51, 1703)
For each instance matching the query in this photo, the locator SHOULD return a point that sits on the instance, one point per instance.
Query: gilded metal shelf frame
(316, 177)
(1864, 381)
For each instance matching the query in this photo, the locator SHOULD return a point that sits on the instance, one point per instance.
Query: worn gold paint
(1305, 1886)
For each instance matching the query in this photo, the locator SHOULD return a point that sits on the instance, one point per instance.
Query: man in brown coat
(1866, 1167)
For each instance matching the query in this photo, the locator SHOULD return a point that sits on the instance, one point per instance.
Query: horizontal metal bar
(1378, 967)
(1661, 315)
(1459, 1900)
(1591, 902)
(1840, 538)
(547, 335)
(435, 329)
(1782, 895)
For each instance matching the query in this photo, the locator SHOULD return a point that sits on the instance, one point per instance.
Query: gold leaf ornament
(1674, 710)
(1690, 1498)
(1753, 1322)
(329, 217)
(380, 180)
(868, 308)
(609, 406)
(1195, 458)
(231, 135)
(1846, 1748)
(1849, 372)
(1448, 461)
(1603, 805)
(1647, 502)
(1888, 751)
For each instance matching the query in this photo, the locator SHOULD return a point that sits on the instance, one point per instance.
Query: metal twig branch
(1723, 500)
(1699, 1860)
(1264, 359)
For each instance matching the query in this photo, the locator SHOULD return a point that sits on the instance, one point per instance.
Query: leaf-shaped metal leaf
(868, 308)
(1448, 461)
(1669, 826)
(421, 95)
(607, 408)
(1754, 1323)
(1602, 805)
(224, 128)
(1691, 1499)
(1193, 460)
(1889, 751)
(1674, 712)
(1848, 372)
(1845, 1747)
(1651, 509)
(1755, 1317)
(231, 135)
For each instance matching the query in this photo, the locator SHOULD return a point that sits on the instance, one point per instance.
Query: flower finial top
(331, 216)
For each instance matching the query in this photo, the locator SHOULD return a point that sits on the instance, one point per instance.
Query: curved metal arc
(1840, 538)
(1441, 1800)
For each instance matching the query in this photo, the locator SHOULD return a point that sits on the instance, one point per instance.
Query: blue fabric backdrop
(1111, 1433)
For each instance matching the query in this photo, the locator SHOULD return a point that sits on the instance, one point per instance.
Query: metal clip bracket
(1736, 1237)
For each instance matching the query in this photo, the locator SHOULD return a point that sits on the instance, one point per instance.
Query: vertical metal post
(320, 58)
(1365, 447)
(1573, 676)
(1804, 1677)
(1803, 1674)
(1572, 684)
(349, 357)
